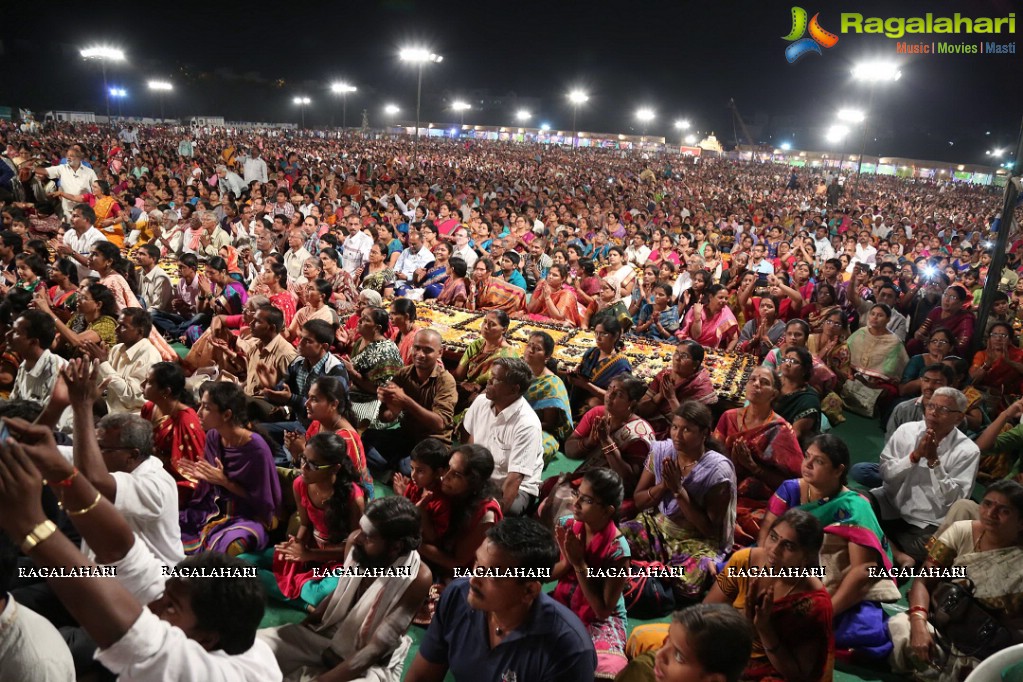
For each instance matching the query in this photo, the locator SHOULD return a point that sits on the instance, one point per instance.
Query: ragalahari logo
(802, 46)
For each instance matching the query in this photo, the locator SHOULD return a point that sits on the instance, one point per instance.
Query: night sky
(683, 59)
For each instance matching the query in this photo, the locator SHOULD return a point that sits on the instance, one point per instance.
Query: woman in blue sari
(599, 365)
(436, 275)
(853, 543)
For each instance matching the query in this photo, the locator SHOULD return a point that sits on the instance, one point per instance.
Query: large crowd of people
(218, 396)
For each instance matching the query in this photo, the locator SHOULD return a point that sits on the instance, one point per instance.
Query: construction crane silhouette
(737, 125)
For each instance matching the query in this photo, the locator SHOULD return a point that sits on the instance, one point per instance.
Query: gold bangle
(918, 616)
(79, 512)
(40, 533)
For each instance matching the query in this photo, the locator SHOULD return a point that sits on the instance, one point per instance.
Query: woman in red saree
(791, 616)
(330, 503)
(763, 448)
(329, 408)
(950, 315)
(275, 278)
(177, 431)
(998, 369)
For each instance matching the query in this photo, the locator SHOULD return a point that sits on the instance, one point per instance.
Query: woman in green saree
(853, 544)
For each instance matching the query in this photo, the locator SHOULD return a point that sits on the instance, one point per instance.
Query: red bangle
(918, 609)
(66, 483)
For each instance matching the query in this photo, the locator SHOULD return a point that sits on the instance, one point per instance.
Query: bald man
(422, 397)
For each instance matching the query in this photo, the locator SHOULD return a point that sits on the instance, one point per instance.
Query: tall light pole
(461, 107)
(418, 56)
(577, 98)
(104, 54)
(835, 135)
(302, 102)
(872, 73)
(343, 89)
(118, 94)
(856, 117)
(522, 115)
(681, 125)
(644, 116)
(160, 87)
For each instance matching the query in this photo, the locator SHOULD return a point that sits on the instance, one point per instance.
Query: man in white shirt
(230, 181)
(296, 255)
(124, 367)
(30, 337)
(357, 246)
(462, 248)
(824, 248)
(503, 422)
(116, 455)
(211, 236)
(79, 239)
(926, 466)
(254, 168)
(865, 251)
(414, 257)
(155, 287)
(153, 621)
(638, 252)
(31, 648)
(75, 179)
(129, 135)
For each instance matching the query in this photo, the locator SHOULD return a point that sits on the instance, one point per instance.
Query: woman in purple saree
(235, 503)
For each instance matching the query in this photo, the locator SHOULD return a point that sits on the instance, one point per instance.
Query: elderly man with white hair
(206, 240)
(926, 466)
(229, 181)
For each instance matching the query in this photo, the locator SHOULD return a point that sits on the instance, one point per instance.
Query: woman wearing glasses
(330, 503)
(797, 334)
(939, 345)
(791, 616)
(686, 379)
(589, 539)
(853, 543)
(952, 316)
(798, 403)
(998, 370)
(829, 346)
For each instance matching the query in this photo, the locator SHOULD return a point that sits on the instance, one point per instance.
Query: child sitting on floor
(429, 462)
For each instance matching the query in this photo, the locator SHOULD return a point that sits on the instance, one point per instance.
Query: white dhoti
(299, 652)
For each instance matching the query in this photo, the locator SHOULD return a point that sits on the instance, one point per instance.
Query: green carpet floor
(865, 440)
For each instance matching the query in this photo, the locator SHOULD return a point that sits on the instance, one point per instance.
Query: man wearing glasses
(926, 466)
